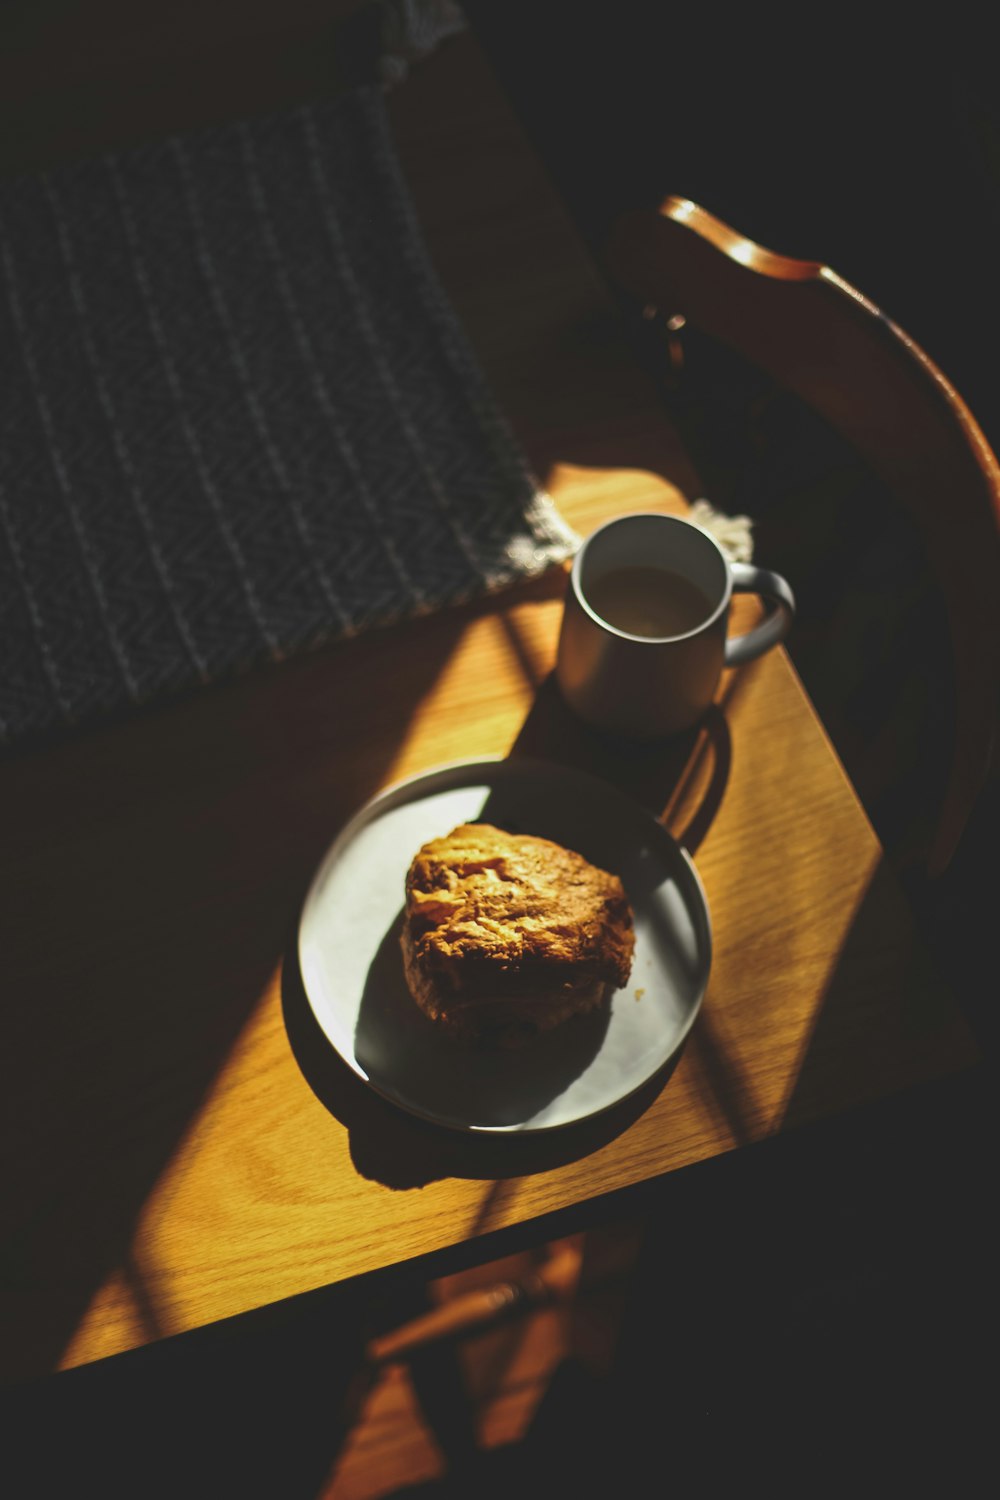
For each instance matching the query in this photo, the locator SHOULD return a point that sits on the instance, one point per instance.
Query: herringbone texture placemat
(239, 417)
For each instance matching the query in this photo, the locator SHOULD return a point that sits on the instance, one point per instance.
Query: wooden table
(181, 1145)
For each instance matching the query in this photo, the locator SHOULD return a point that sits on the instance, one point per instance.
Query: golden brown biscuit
(507, 935)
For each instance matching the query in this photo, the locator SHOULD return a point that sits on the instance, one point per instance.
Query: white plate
(352, 968)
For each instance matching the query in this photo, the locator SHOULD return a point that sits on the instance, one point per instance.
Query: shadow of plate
(394, 1147)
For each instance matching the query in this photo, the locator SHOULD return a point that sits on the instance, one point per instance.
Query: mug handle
(748, 579)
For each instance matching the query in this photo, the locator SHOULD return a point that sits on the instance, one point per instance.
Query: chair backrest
(821, 339)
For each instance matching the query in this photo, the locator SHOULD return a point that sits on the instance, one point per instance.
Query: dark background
(832, 136)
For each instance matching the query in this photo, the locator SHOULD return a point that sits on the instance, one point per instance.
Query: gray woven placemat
(238, 417)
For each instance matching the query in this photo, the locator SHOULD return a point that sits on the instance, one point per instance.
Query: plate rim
(396, 792)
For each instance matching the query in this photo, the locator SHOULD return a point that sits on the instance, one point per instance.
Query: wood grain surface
(181, 1145)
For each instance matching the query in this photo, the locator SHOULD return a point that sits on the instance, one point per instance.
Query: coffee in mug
(644, 631)
(649, 601)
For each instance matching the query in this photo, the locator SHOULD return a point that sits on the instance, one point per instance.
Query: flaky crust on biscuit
(506, 935)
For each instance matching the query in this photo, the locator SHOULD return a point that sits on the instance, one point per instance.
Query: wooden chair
(822, 340)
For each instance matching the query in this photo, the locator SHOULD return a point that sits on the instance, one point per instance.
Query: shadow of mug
(681, 780)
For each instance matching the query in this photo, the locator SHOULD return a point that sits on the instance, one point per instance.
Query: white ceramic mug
(643, 640)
